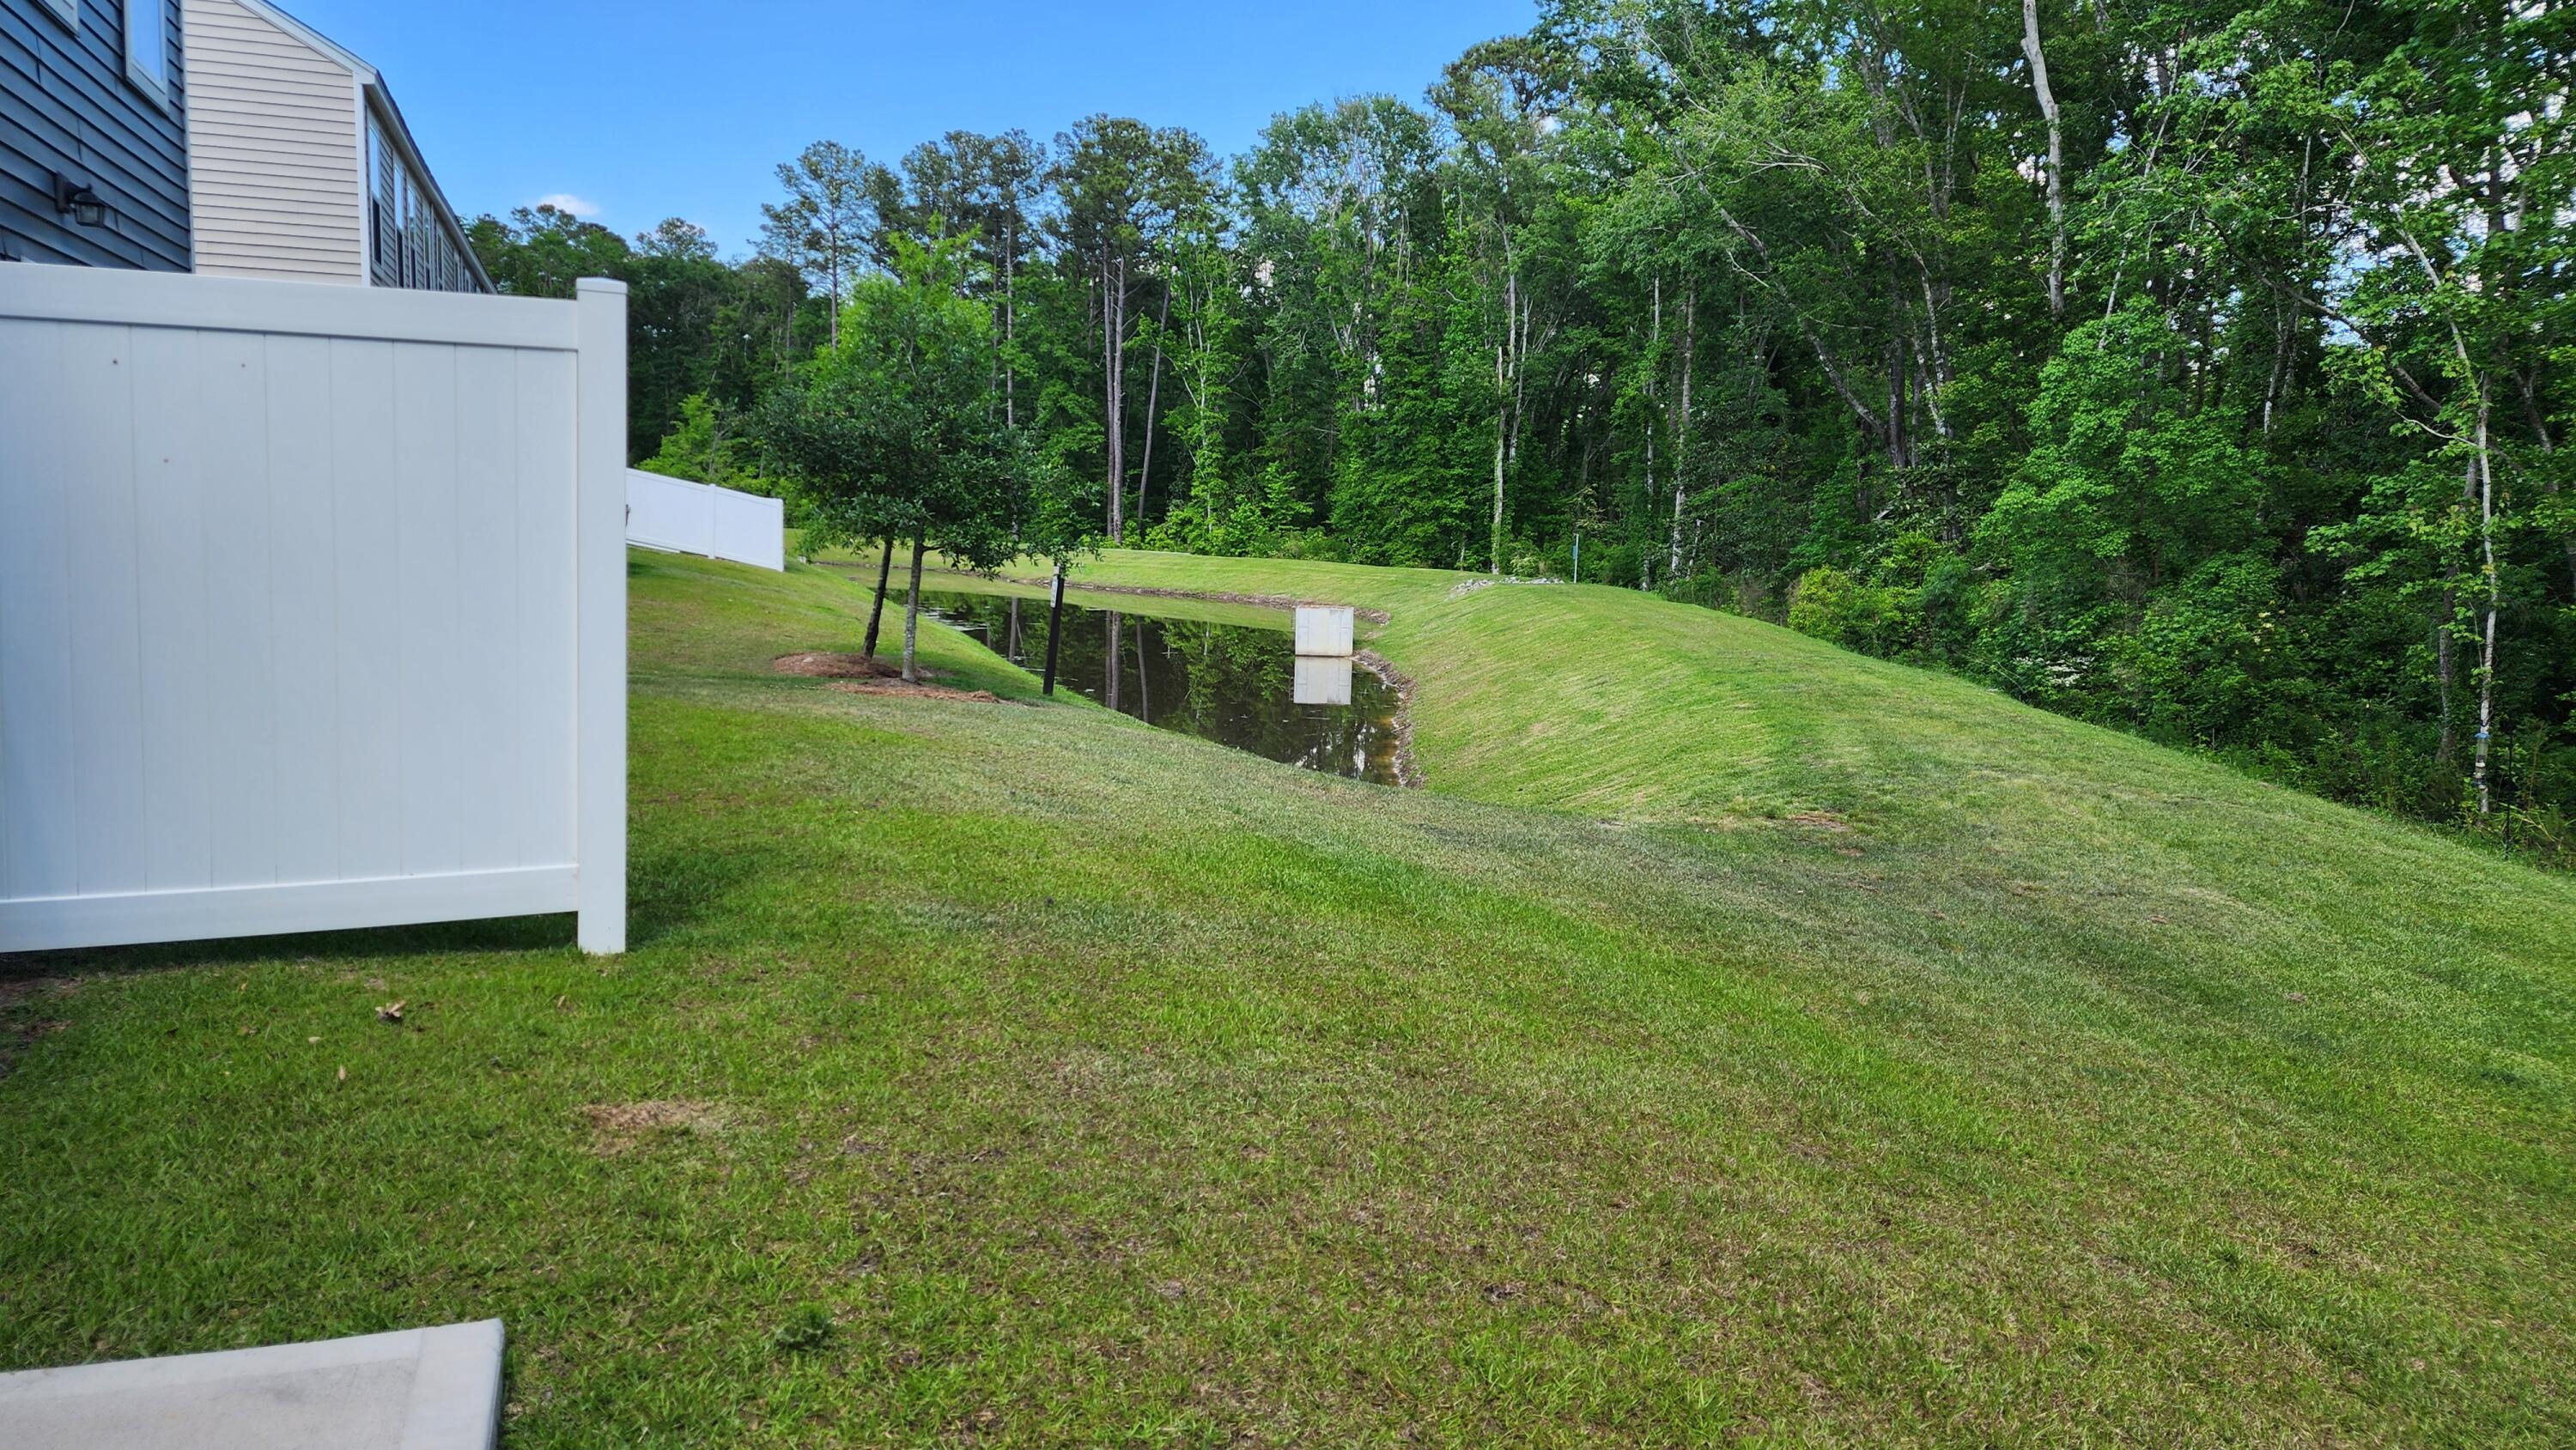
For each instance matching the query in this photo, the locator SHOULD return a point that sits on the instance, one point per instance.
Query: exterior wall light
(79, 200)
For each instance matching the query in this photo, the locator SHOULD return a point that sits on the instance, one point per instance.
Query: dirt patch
(917, 692)
(1818, 820)
(14, 990)
(621, 1127)
(823, 665)
(1465, 587)
(1408, 771)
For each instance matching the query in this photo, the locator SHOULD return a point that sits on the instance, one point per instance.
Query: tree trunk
(912, 614)
(1654, 344)
(836, 301)
(1503, 387)
(1113, 413)
(2056, 157)
(876, 615)
(1502, 430)
(2494, 603)
(1010, 319)
(1681, 435)
(1153, 401)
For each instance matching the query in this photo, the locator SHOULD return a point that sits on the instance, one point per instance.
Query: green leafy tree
(892, 433)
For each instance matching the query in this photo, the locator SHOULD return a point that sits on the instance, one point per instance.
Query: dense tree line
(2199, 368)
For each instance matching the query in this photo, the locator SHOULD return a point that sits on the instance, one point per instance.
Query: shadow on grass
(456, 938)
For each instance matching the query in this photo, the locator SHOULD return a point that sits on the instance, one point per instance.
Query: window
(66, 11)
(147, 48)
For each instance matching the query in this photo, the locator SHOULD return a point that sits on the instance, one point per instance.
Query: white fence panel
(750, 529)
(705, 519)
(312, 607)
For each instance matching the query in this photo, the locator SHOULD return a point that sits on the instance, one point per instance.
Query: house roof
(380, 101)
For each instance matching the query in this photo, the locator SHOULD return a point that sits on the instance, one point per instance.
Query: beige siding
(275, 172)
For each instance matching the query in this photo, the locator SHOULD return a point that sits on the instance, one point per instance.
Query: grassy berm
(1738, 1041)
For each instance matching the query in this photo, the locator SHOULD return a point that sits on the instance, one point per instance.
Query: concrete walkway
(414, 1389)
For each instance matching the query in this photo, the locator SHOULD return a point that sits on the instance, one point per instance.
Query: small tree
(893, 433)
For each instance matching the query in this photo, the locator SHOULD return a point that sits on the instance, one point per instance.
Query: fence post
(599, 533)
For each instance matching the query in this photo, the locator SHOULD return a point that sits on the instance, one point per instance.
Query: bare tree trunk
(1502, 430)
(912, 614)
(2494, 602)
(1503, 411)
(1153, 401)
(1113, 395)
(1654, 343)
(876, 615)
(1681, 435)
(2056, 157)
(1010, 322)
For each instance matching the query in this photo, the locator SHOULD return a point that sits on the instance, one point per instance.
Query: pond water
(1233, 684)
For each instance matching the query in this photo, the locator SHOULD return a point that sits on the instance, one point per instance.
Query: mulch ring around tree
(861, 675)
(824, 665)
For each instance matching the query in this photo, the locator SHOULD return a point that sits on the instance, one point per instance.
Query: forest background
(2199, 369)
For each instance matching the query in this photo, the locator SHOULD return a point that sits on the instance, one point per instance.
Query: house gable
(275, 178)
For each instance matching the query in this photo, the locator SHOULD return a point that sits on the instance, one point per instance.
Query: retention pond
(1238, 684)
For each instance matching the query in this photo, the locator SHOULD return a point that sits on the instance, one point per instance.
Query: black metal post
(1055, 625)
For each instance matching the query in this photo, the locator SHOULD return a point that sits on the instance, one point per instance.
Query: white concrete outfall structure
(413, 1389)
(1324, 629)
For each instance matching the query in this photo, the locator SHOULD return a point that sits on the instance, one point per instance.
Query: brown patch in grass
(916, 691)
(617, 1128)
(14, 990)
(1818, 820)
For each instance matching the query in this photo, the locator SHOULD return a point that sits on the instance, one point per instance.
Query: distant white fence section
(703, 518)
(312, 607)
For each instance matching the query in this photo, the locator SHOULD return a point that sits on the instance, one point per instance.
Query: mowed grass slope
(1740, 1040)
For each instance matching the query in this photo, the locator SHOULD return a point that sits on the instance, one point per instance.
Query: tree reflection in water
(1227, 683)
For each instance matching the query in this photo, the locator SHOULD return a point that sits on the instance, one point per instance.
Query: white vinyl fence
(312, 607)
(706, 519)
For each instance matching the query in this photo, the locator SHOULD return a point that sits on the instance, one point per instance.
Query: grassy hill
(1739, 1039)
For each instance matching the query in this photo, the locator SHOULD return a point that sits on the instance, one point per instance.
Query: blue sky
(656, 108)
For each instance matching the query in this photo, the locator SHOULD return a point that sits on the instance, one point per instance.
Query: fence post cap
(600, 284)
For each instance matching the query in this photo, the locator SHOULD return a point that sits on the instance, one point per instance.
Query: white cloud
(565, 201)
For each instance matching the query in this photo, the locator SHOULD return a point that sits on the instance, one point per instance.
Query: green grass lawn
(1739, 1041)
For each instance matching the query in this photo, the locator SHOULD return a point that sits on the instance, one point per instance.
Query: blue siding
(66, 106)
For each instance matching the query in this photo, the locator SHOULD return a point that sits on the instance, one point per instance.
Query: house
(300, 166)
(272, 153)
(94, 133)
